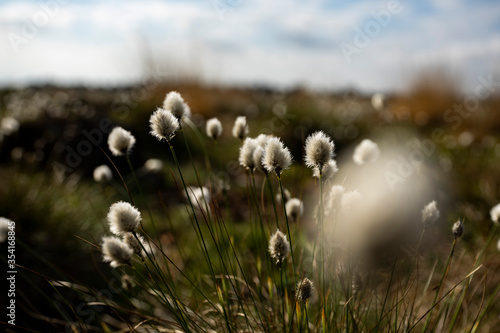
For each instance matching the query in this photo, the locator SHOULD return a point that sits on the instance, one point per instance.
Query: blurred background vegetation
(48, 189)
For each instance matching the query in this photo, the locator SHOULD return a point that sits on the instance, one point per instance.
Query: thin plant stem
(192, 209)
(441, 282)
(287, 226)
(271, 192)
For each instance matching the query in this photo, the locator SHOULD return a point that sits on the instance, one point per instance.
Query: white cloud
(277, 42)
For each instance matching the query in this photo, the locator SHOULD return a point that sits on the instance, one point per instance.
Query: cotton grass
(153, 166)
(120, 141)
(116, 252)
(279, 247)
(9, 126)
(305, 289)
(123, 217)
(136, 244)
(163, 125)
(246, 157)
(328, 170)
(495, 214)
(430, 213)
(276, 156)
(240, 128)
(294, 208)
(102, 174)
(366, 152)
(198, 196)
(458, 228)
(319, 150)
(214, 128)
(175, 104)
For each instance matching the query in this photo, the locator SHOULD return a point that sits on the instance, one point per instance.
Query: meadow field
(186, 207)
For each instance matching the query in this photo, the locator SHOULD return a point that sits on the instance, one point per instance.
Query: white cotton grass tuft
(4, 228)
(287, 195)
(328, 170)
(334, 198)
(133, 243)
(123, 217)
(276, 156)
(458, 228)
(120, 141)
(116, 252)
(214, 128)
(262, 139)
(198, 196)
(378, 101)
(127, 282)
(498, 245)
(9, 126)
(294, 208)
(430, 213)
(175, 104)
(319, 150)
(246, 157)
(240, 128)
(495, 214)
(258, 153)
(279, 247)
(366, 152)
(102, 174)
(305, 289)
(153, 165)
(163, 125)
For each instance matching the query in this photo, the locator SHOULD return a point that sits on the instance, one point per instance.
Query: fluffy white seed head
(258, 154)
(334, 198)
(328, 170)
(123, 217)
(276, 156)
(9, 126)
(196, 196)
(305, 289)
(175, 104)
(294, 208)
(279, 248)
(214, 128)
(127, 282)
(458, 228)
(116, 252)
(430, 213)
(287, 195)
(102, 174)
(4, 228)
(120, 141)
(319, 150)
(240, 128)
(163, 125)
(153, 165)
(495, 214)
(247, 150)
(498, 245)
(133, 243)
(262, 139)
(366, 152)
(378, 101)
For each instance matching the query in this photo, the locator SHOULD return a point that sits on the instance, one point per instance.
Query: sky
(368, 45)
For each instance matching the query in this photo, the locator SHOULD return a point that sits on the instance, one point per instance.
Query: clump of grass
(234, 275)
